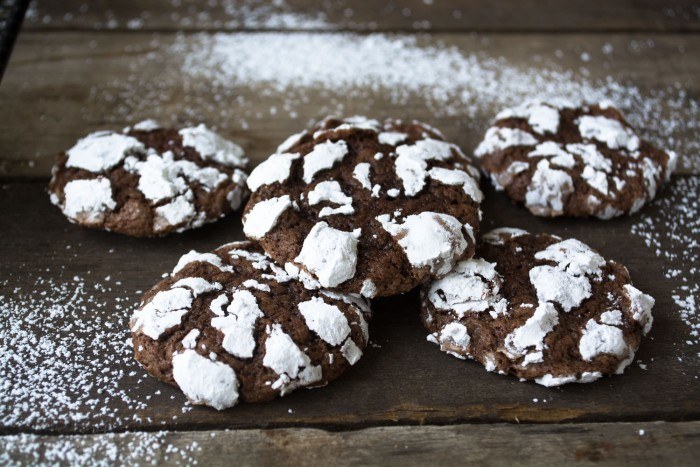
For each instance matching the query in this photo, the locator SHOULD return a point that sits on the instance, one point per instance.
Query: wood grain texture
(60, 86)
(402, 379)
(581, 444)
(362, 15)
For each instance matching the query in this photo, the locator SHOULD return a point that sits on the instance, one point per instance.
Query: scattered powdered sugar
(449, 81)
(136, 448)
(64, 356)
(672, 233)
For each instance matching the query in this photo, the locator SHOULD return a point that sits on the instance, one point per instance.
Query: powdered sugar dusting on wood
(672, 233)
(64, 356)
(450, 81)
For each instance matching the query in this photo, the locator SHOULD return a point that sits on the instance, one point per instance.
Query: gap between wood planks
(346, 30)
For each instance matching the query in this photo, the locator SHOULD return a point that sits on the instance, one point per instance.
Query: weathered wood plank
(405, 15)
(403, 379)
(645, 444)
(59, 86)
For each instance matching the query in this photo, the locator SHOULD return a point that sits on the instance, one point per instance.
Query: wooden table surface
(405, 402)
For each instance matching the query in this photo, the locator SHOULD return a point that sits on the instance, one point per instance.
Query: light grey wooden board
(639, 444)
(434, 15)
(61, 85)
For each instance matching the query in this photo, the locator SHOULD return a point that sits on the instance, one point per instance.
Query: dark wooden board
(486, 445)
(60, 86)
(393, 15)
(74, 60)
(404, 381)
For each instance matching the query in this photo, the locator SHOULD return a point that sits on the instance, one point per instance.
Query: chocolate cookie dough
(149, 181)
(562, 160)
(539, 308)
(231, 326)
(365, 207)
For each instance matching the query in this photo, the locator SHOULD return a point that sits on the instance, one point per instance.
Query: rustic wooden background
(405, 402)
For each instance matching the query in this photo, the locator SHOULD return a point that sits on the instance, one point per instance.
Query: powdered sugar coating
(323, 157)
(499, 235)
(325, 320)
(453, 338)
(275, 169)
(238, 324)
(429, 239)
(351, 352)
(543, 118)
(212, 146)
(602, 339)
(102, 150)
(286, 359)
(553, 285)
(88, 200)
(179, 211)
(557, 156)
(541, 308)
(263, 217)
(392, 137)
(472, 286)
(145, 125)
(361, 174)
(547, 190)
(412, 162)
(527, 341)
(331, 192)
(163, 312)
(194, 257)
(197, 285)
(641, 305)
(460, 178)
(574, 257)
(608, 131)
(205, 381)
(573, 161)
(329, 254)
(234, 312)
(498, 139)
(351, 172)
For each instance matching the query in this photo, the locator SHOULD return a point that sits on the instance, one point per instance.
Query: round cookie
(149, 181)
(562, 160)
(539, 308)
(231, 325)
(365, 207)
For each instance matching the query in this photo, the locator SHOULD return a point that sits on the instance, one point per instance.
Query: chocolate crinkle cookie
(539, 308)
(231, 326)
(364, 206)
(148, 180)
(562, 160)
